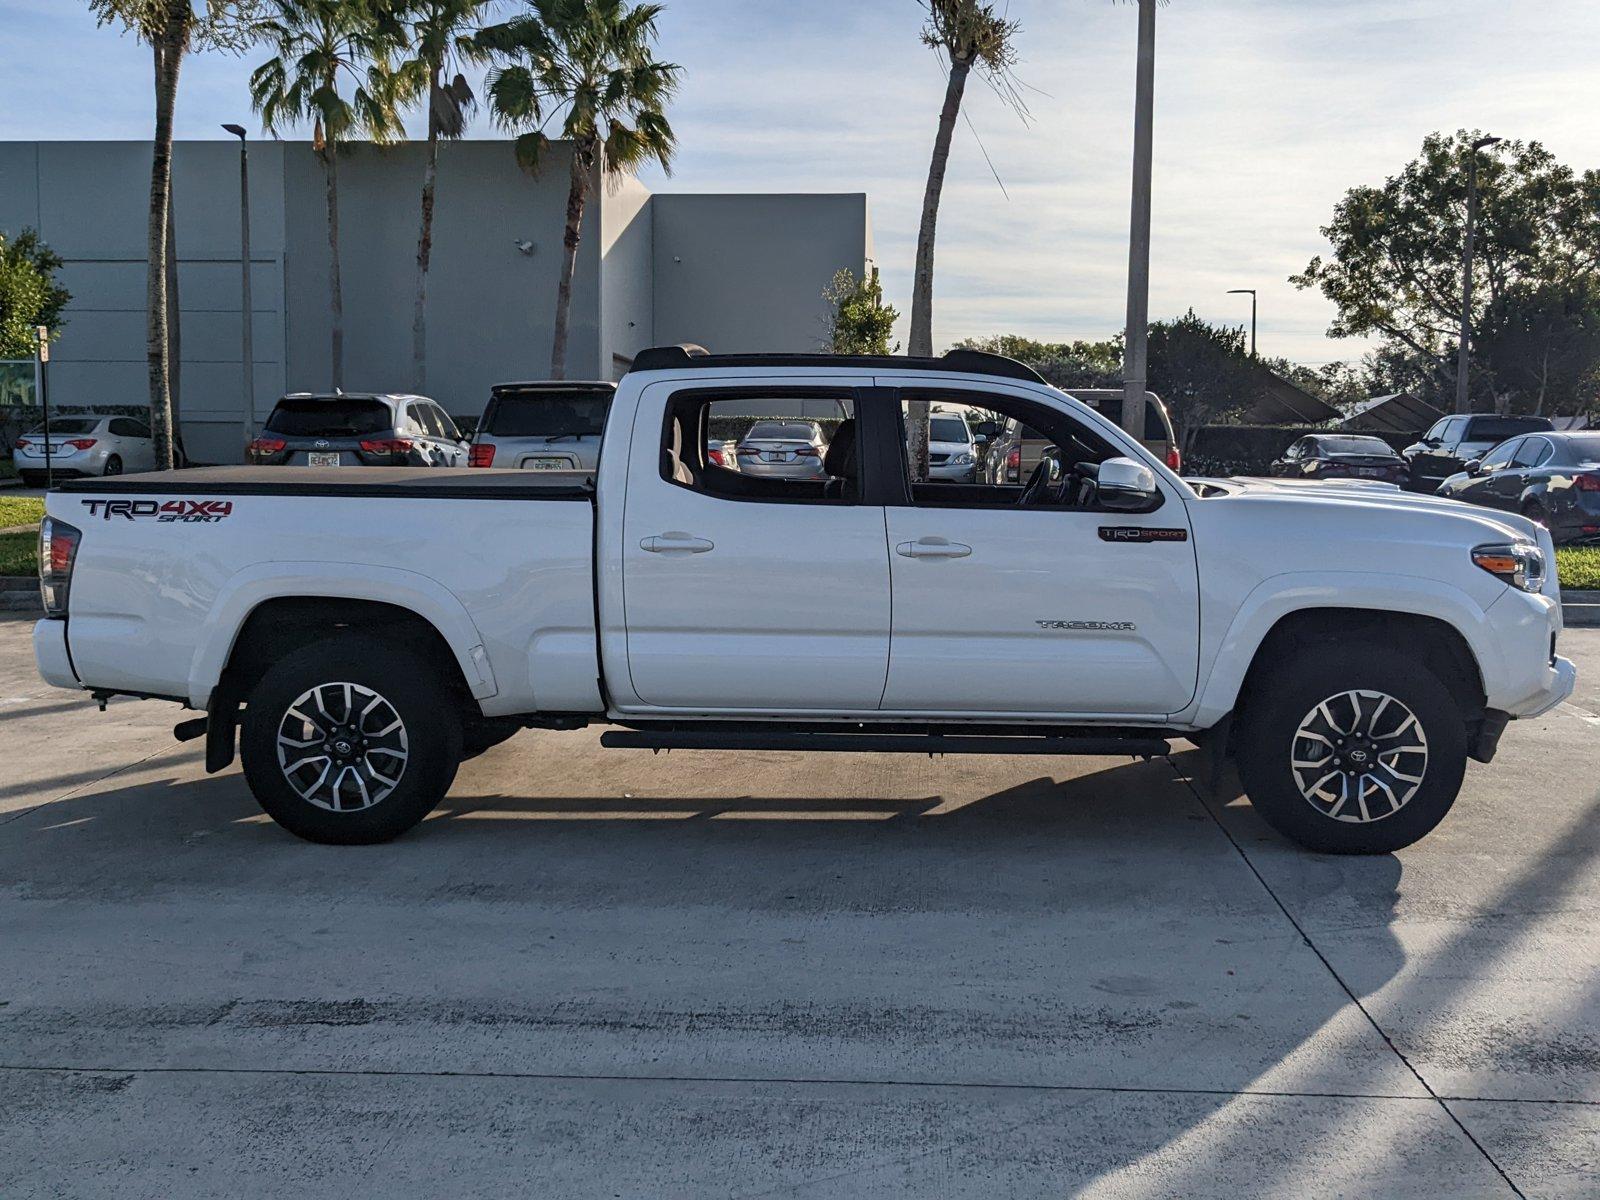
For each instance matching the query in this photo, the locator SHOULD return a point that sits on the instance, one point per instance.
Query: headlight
(1520, 564)
(961, 460)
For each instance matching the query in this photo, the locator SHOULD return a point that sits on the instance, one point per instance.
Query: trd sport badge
(1135, 533)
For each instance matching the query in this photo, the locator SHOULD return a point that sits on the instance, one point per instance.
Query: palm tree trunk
(168, 54)
(419, 317)
(577, 191)
(921, 334)
(174, 337)
(330, 163)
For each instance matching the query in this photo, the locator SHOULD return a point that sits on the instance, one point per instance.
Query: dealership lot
(611, 973)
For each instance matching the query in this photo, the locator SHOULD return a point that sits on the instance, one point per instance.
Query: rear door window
(336, 417)
(1535, 450)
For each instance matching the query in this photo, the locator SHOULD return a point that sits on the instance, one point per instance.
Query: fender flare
(1279, 596)
(245, 590)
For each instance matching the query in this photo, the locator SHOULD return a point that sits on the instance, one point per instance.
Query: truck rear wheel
(349, 741)
(1353, 749)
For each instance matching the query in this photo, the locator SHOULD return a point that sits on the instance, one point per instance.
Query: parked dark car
(349, 429)
(547, 425)
(1554, 478)
(1452, 443)
(1342, 456)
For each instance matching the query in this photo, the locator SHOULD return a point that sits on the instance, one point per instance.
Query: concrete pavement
(615, 974)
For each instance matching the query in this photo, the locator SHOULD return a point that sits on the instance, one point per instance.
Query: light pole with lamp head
(1251, 292)
(246, 312)
(1464, 360)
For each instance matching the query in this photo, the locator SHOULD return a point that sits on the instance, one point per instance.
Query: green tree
(30, 294)
(1394, 271)
(593, 64)
(1202, 371)
(439, 39)
(859, 322)
(1066, 365)
(1539, 346)
(320, 46)
(171, 28)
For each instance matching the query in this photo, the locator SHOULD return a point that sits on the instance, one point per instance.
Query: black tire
(405, 681)
(31, 479)
(113, 466)
(1289, 695)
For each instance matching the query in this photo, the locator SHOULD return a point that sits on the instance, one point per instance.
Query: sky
(1266, 112)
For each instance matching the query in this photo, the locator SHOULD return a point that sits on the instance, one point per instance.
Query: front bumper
(1559, 678)
(50, 653)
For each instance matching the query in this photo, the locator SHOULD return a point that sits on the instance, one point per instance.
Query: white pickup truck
(362, 630)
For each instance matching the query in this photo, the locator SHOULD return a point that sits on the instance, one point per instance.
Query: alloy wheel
(342, 747)
(1359, 756)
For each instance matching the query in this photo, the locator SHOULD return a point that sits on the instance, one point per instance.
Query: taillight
(481, 455)
(22, 442)
(717, 458)
(81, 443)
(1584, 483)
(748, 452)
(265, 445)
(58, 550)
(806, 452)
(387, 446)
(1175, 459)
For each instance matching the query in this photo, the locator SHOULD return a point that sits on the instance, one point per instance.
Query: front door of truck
(1055, 608)
(764, 587)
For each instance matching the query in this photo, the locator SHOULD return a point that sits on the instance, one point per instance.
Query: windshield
(1354, 445)
(547, 414)
(947, 429)
(66, 425)
(784, 431)
(338, 416)
(1498, 429)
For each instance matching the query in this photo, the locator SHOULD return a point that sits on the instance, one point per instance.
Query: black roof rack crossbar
(966, 362)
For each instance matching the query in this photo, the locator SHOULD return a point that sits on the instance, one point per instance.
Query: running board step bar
(880, 743)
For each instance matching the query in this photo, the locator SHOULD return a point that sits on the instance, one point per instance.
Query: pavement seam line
(1345, 987)
(88, 783)
(787, 1081)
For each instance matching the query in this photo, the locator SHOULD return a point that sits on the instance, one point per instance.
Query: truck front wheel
(349, 741)
(1352, 749)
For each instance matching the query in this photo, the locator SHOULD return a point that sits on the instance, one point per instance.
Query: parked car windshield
(1354, 445)
(548, 414)
(947, 429)
(782, 431)
(1498, 429)
(68, 425)
(340, 416)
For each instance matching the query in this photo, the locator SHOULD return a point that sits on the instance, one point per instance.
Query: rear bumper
(50, 653)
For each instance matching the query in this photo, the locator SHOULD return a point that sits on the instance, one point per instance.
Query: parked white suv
(364, 630)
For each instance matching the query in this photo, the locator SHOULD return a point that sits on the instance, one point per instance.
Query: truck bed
(427, 483)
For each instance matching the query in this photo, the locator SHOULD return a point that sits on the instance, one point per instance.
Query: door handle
(676, 543)
(932, 547)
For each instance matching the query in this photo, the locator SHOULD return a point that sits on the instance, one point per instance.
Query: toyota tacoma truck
(354, 633)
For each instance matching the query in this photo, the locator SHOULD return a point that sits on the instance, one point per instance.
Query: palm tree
(171, 28)
(594, 62)
(319, 46)
(438, 33)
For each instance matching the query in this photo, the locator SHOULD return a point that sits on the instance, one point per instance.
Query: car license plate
(323, 460)
(774, 456)
(547, 464)
(1370, 472)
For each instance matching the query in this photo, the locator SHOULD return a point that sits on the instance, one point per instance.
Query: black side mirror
(1474, 467)
(986, 430)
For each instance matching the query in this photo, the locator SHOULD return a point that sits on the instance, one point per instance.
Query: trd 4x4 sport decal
(189, 512)
(1133, 533)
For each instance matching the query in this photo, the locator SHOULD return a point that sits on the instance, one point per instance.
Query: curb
(1581, 610)
(20, 593)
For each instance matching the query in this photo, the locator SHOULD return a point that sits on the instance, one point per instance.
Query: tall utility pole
(1251, 292)
(1464, 361)
(1134, 367)
(247, 313)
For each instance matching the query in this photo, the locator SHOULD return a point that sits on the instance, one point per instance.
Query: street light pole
(1464, 359)
(246, 312)
(1251, 292)
(1135, 362)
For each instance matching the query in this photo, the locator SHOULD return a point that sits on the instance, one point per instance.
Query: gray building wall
(735, 272)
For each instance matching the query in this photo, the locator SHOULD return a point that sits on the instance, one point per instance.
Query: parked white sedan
(85, 446)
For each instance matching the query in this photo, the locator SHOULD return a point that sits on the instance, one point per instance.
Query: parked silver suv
(548, 426)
